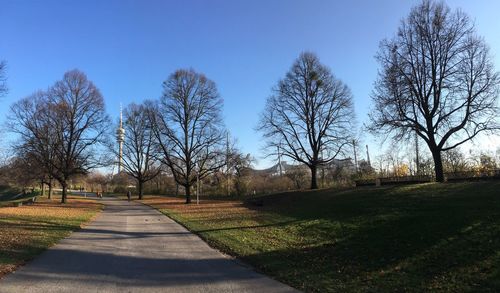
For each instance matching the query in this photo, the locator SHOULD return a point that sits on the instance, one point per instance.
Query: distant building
(120, 138)
(345, 165)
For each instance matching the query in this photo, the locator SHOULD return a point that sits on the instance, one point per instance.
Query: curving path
(131, 247)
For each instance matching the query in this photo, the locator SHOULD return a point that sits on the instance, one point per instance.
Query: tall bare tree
(139, 148)
(309, 117)
(30, 119)
(437, 80)
(63, 127)
(80, 121)
(188, 127)
(3, 78)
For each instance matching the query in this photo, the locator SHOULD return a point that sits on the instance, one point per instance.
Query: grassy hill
(426, 237)
(9, 195)
(8, 192)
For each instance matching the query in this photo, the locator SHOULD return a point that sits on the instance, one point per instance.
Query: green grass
(8, 193)
(427, 237)
(11, 195)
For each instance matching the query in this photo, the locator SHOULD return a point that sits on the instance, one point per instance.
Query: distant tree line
(436, 84)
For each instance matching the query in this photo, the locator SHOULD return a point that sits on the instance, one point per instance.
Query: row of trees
(62, 128)
(308, 119)
(59, 129)
(182, 131)
(396, 162)
(436, 82)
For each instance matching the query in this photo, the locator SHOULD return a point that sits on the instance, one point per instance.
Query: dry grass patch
(27, 230)
(207, 209)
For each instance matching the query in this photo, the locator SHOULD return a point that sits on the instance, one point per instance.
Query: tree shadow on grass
(350, 203)
(411, 253)
(432, 238)
(275, 224)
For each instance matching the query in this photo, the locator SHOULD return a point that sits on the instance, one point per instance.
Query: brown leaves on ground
(51, 208)
(237, 228)
(208, 210)
(26, 230)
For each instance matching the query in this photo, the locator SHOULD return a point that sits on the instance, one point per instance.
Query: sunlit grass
(427, 237)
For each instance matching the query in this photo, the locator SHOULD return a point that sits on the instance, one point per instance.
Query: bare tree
(97, 181)
(139, 150)
(3, 78)
(454, 161)
(238, 166)
(436, 80)
(80, 121)
(63, 126)
(30, 119)
(188, 127)
(309, 117)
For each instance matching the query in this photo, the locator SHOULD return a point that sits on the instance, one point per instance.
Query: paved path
(131, 247)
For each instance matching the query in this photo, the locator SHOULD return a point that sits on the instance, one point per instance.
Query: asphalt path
(131, 247)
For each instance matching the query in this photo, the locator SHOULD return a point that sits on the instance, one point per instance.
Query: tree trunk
(64, 192)
(314, 176)
(438, 165)
(141, 189)
(50, 189)
(43, 188)
(188, 193)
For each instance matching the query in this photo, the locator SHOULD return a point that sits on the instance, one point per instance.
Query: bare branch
(310, 115)
(437, 79)
(188, 127)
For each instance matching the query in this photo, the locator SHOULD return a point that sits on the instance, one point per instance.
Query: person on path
(129, 195)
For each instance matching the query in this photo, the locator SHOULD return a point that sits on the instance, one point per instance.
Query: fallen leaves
(27, 230)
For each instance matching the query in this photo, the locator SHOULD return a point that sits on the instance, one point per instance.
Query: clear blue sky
(127, 48)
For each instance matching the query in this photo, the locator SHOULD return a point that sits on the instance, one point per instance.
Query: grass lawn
(28, 230)
(9, 195)
(427, 237)
(7, 192)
